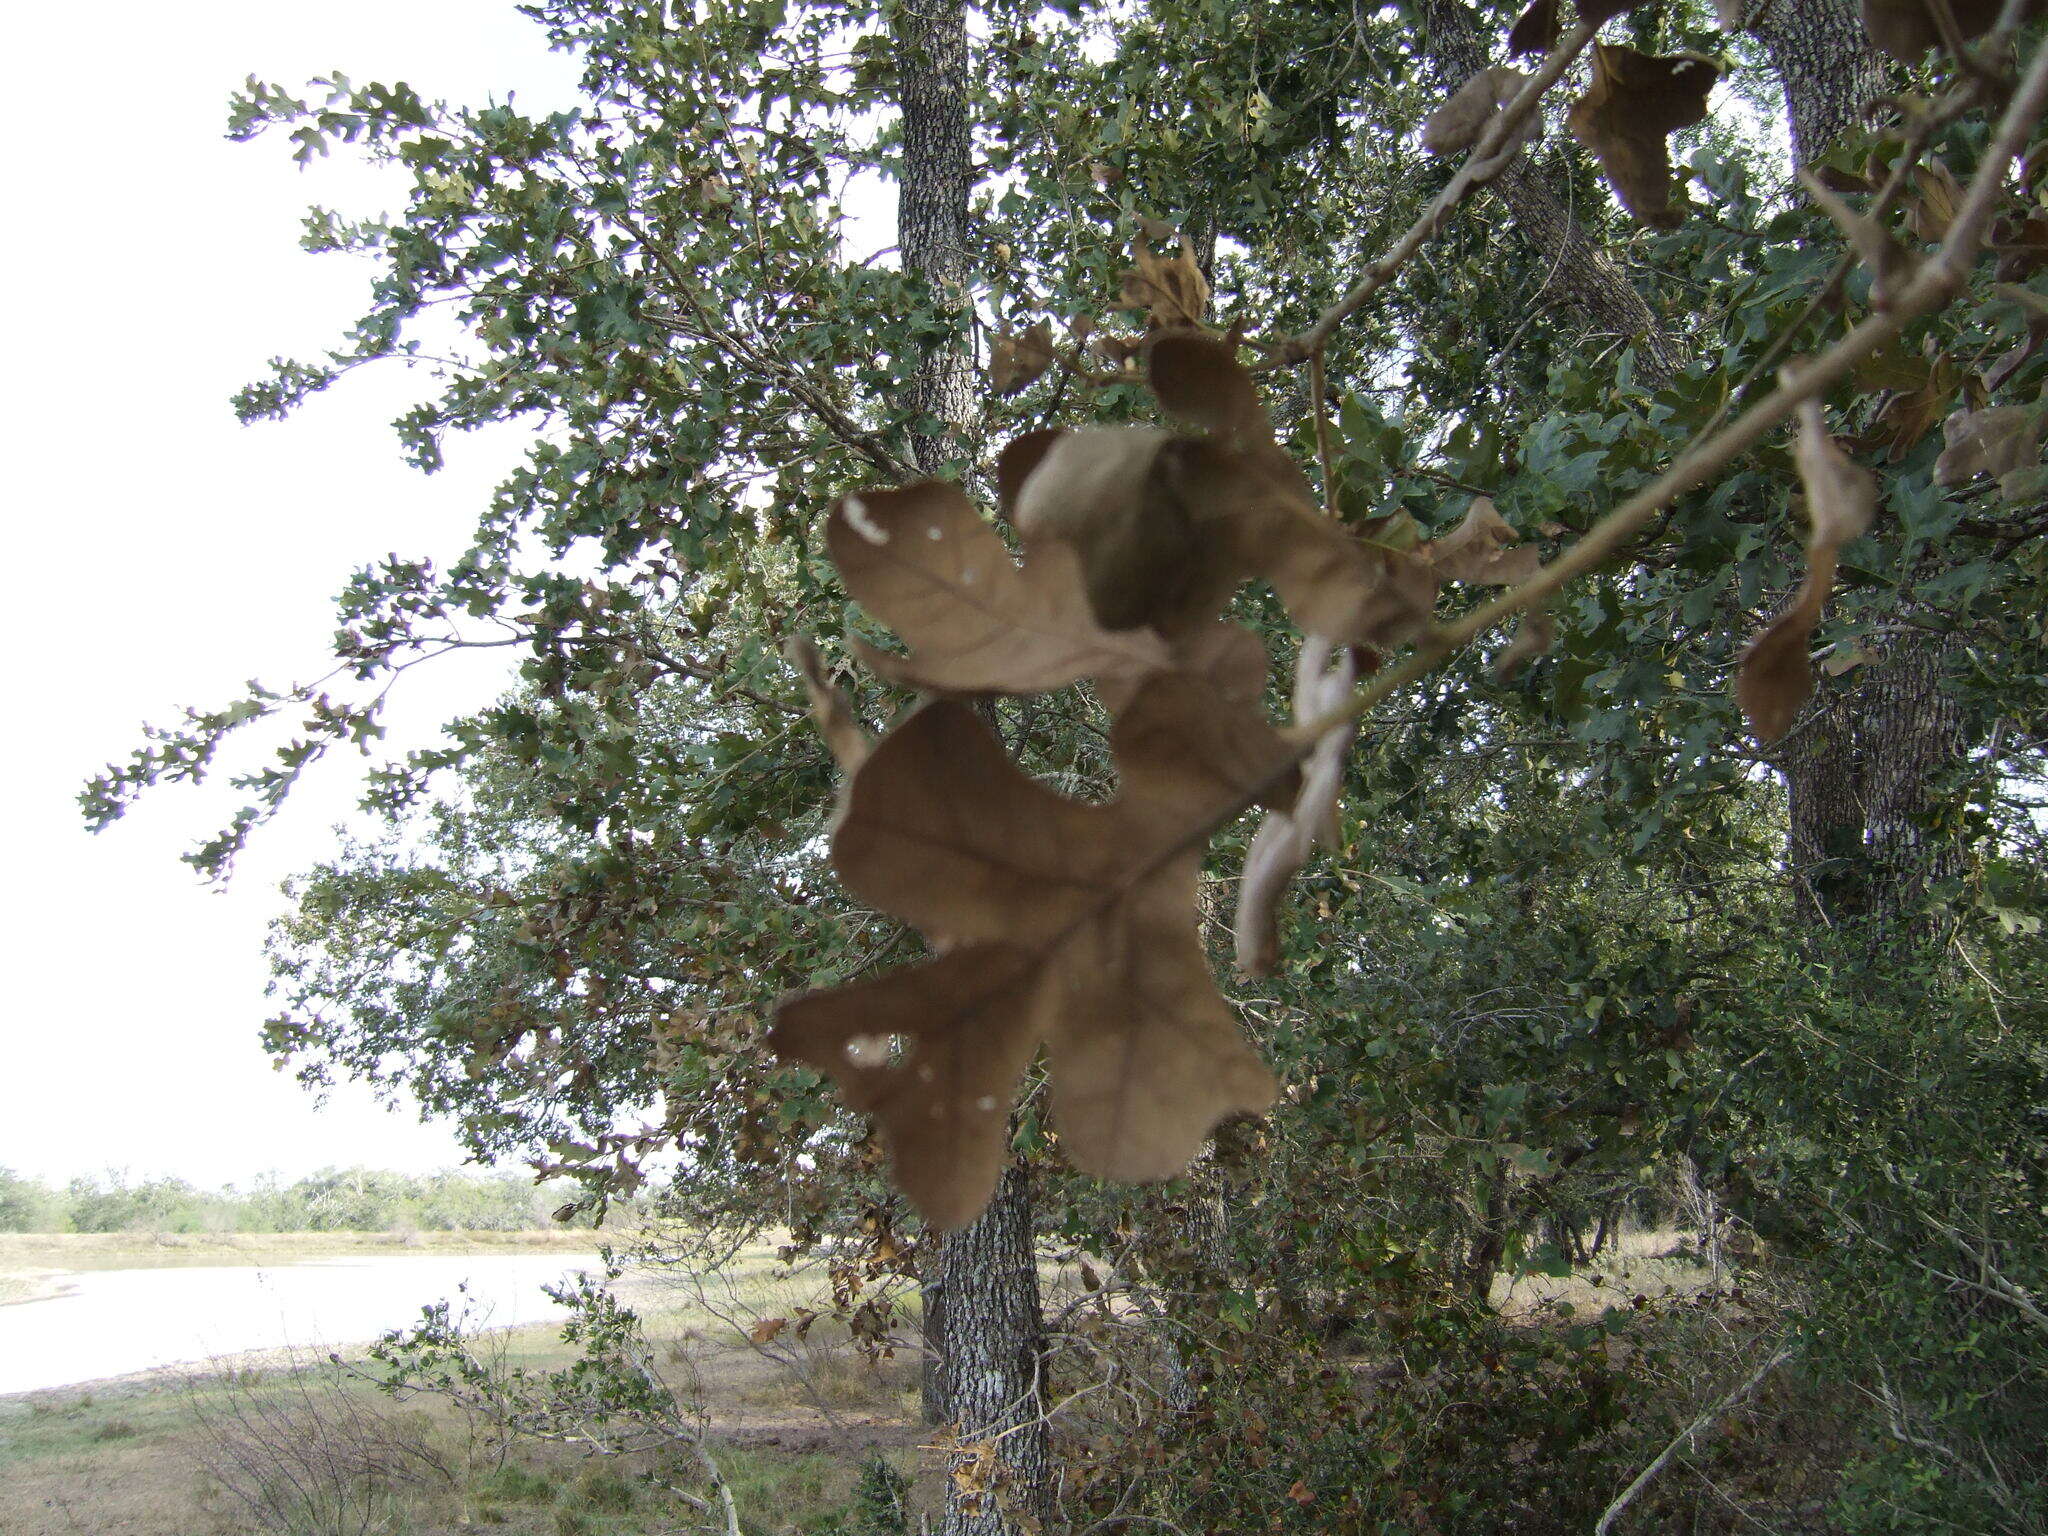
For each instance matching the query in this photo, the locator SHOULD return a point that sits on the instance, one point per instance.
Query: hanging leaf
(1459, 123)
(1064, 923)
(1932, 207)
(1636, 101)
(1148, 555)
(843, 735)
(1535, 31)
(1281, 846)
(1906, 30)
(1995, 442)
(1170, 289)
(1483, 550)
(1199, 379)
(1167, 527)
(1886, 260)
(1775, 676)
(1018, 361)
(2022, 247)
(1534, 637)
(922, 562)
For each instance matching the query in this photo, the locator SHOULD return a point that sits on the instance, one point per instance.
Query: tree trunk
(1913, 739)
(995, 1347)
(932, 211)
(1580, 276)
(931, 239)
(1825, 64)
(1865, 769)
(983, 1321)
(931, 1292)
(1824, 811)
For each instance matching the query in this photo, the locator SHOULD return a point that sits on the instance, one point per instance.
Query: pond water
(111, 1322)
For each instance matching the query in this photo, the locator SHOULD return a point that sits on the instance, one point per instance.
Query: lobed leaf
(1064, 923)
(920, 560)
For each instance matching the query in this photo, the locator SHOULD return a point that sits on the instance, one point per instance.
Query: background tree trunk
(1866, 767)
(931, 239)
(932, 210)
(995, 1344)
(1580, 275)
(984, 1327)
(1828, 70)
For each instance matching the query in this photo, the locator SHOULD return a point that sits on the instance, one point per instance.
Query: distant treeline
(332, 1200)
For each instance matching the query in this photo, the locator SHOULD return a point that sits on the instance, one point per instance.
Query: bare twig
(1479, 167)
(1643, 1478)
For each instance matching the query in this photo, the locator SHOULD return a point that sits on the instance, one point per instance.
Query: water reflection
(111, 1322)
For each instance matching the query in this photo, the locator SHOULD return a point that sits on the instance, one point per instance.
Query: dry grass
(131, 1460)
(1658, 1265)
(789, 1426)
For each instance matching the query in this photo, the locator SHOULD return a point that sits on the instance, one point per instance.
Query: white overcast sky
(162, 553)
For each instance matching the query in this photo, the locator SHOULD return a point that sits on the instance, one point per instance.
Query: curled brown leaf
(1483, 550)
(1995, 442)
(1775, 676)
(1906, 29)
(1458, 124)
(1170, 289)
(843, 735)
(1636, 100)
(1018, 361)
(1286, 837)
(1166, 527)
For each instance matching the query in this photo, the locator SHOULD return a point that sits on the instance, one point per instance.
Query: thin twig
(1642, 1481)
(1319, 404)
(1479, 167)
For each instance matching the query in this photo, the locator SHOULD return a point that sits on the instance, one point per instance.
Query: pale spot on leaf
(857, 518)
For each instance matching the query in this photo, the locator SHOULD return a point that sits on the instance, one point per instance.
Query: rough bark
(1818, 50)
(1913, 740)
(1824, 812)
(1578, 273)
(1865, 771)
(931, 239)
(983, 1322)
(931, 1292)
(932, 210)
(995, 1347)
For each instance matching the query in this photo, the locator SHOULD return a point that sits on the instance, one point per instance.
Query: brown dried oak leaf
(1635, 102)
(843, 735)
(1906, 29)
(1170, 289)
(920, 560)
(1063, 923)
(1483, 551)
(1460, 122)
(1168, 526)
(1996, 441)
(1018, 361)
(1775, 675)
(1537, 29)
(1288, 835)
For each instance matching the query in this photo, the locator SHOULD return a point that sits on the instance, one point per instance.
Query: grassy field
(35, 1252)
(144, 1459)
(790, 1425)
